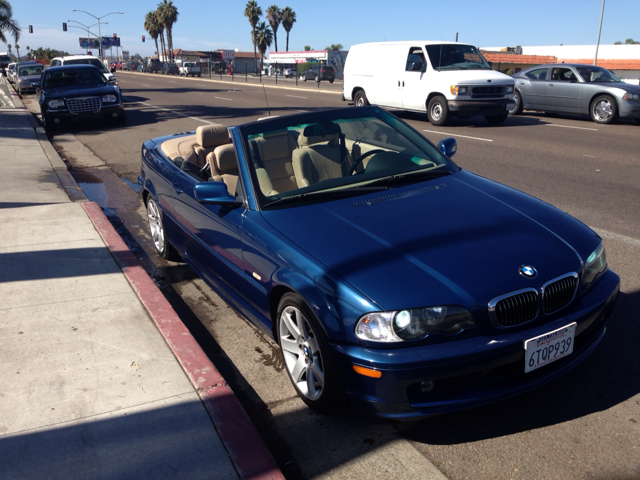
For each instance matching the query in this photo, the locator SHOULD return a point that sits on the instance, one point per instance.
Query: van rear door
(387, 84)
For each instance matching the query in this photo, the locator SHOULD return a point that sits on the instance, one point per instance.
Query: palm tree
(7, 23)
(28, 53)
(151, 26)
(335, 46)
(168, 15)
(18, 51)
(262, 39)
(288, 19)
(274, 15)
(253, 13)
(9, 49)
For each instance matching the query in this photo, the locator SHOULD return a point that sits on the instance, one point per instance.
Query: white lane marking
(569, 126)
(590, 156)
(198, 85)
(295, 96)
(222, 98)
(456, 135)
(173, 111)
(145, 85)
(171, 81)
(617, 237)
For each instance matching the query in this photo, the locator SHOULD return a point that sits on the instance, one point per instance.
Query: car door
(413, 79)
(212, 234)
(563, 91)
(532, 87)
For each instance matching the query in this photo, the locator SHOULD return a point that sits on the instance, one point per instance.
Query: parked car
(318, 73)
(576, 88)
(140, 68)
(5, 60)
(78, 93)
(289, 73)
(443, 79)
(381, 268)
(26, 75)
(170, 69)
(10, 71)
(190, 68)
(153, 66)
(86, 60)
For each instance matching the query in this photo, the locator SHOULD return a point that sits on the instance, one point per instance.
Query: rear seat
(195, 148)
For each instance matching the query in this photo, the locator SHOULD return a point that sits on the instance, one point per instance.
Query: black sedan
(77, 92)
(170, 69)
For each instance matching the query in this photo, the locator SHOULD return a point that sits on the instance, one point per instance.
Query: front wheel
(360, 99)
(163, 247)
(517, 108)
(306, 354)
(496, 119)
(438, 111)
(604, 109)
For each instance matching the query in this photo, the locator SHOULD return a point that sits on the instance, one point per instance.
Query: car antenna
(265, 99)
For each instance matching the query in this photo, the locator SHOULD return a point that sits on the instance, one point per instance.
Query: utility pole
(595, 59)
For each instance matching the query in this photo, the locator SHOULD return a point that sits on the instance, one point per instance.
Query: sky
(210, 24)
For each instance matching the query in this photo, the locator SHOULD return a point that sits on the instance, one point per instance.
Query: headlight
(109, 99)
(413, 324)
(457, 90)
(631, 96)
(510, 89)
(55, 103)
(596, 264)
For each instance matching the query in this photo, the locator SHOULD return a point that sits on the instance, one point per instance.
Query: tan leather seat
(319, 157)
(273, 153)
(208, 137)
(224, 162)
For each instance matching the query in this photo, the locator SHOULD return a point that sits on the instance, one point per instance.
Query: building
(623, 60)
(335, 58)
(240, 62)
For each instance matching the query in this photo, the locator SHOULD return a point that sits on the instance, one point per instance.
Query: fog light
(367, 372)
(426, 386)
(56, 121)
(115, 115)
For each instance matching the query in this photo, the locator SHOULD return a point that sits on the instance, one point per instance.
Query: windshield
(72, 78)
(88, 61)
(30, 70)
(592, 74)
(334, 153)
(455, 56)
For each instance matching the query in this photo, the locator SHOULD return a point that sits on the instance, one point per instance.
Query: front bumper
(470, 372)
(629, 109)
(470, 108)
(105, 113)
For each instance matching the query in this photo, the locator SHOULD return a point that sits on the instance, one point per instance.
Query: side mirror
(448, 146)
(215, 193)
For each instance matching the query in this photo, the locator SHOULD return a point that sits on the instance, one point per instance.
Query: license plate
(547, 348)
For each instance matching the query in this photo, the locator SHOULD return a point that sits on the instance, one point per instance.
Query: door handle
(177, 188)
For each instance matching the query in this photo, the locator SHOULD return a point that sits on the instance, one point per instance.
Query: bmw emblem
(527, 271)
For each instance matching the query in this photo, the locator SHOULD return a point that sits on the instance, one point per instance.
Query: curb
(245, 446)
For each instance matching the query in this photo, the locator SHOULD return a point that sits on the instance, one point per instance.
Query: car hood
(475, 77)
(30, 78)
(75, 91)
(458, 240)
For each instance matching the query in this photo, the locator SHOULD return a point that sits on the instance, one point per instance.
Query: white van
(86, 60)
(439, 78)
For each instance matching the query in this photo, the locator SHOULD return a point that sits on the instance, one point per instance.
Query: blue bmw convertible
(388, 275)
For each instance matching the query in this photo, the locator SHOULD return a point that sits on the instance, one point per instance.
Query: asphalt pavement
(100, 378)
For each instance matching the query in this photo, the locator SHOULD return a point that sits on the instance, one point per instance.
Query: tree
(18, 51)
(151, 26)
(274, 15)
(9, 49)
(307, 48)
(335, 46)
(253, 13)
(168, 15)
(628, 41)
(288, 19)
(7, 23)
(262, 39)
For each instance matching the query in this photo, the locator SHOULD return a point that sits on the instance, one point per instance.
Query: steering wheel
(361, 158)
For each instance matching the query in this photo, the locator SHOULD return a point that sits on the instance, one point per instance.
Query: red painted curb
(245, 446)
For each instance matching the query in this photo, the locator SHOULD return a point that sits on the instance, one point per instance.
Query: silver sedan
(576, 88)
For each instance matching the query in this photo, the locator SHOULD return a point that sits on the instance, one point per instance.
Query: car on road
(26, 75)
(190, 69)
(5, 60)
(385, 273)
(318, 73)
(86, 60)
(153, 66)
(289, 72)
(578, 89)
(170, 69)
(74, 93)
(10, 71)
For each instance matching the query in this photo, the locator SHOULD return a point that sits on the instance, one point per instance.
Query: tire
(496, 119)
(604, 109)
(517, 108)
(48, 125)
(306, 355)
(199, 75)
(360, 99)
(331, 81)
(163, 247)
(122, 119)
(438, 111)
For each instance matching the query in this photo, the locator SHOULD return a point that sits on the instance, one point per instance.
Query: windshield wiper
(416, 175)
(338, 193)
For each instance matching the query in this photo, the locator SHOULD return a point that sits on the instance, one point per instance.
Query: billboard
(93, 42)
(125, 54)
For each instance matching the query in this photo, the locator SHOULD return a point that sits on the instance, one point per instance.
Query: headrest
(320, 132)
(212, 135)
(226, 160)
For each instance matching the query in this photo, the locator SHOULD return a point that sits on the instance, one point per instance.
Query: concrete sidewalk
(100, 379)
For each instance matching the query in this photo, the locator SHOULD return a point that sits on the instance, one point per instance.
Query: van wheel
(438, 111)
(360, 99)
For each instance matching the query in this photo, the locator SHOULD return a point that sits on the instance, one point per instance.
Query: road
(584, 425)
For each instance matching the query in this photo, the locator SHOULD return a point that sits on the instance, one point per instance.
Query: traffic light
(90, 53)
(30, 28)
(64, 27)
(143, 38)
(115, 35)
